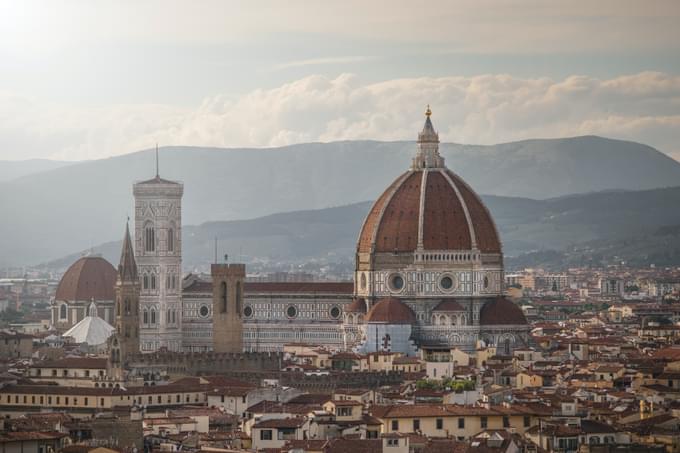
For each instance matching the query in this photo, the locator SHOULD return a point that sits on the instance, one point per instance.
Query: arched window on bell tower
(171, 239)
(238, 298)
(149, 237)
(223, 297)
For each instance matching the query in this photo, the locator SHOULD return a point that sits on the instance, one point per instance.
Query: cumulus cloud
(483, 109)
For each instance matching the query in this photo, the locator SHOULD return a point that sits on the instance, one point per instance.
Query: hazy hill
(53, 213)
(641, 227)
(10, 169)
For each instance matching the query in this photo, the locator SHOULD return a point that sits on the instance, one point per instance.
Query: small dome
(358, 305)
(501, 311)
(448, 305)
(391, 311)
(91, 277)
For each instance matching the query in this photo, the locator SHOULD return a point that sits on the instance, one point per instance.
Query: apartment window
(416, 425)
(506, 421)
(527, 421)
(159, 399)
(150, 399)
(371, 434)
(440, 423)
(66, 400)
(484, 422)
(33, 400)
(178, 399)
(461, 423)
(266, 434)
(395, 425)
(392, 442)
(49, 400)
(25, 399)
(41, 400)
(58, 400)
(344, 411)
(101, 401)
(86, 401)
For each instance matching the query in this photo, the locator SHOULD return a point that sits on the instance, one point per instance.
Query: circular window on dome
(291, 311)
(248, 311)
(396, 282)
(446, 283)
(203, 311)
(335, 312)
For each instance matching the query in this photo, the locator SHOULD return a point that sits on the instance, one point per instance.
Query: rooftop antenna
(157, 174)
(215, 249)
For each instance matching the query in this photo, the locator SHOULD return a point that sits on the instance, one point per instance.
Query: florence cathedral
(428, 276)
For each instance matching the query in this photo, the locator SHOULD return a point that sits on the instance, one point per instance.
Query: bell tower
(127, 301)
(228, 280)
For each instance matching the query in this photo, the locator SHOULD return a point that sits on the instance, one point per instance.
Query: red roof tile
(391, 311)
(91, 277)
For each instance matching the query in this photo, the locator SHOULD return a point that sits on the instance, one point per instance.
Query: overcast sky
(90, 79)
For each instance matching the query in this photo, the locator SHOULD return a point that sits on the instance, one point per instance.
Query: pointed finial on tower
(428, 112)
(157, 174)
(127, 269)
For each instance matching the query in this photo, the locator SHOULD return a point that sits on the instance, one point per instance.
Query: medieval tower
(125, 341)
(127, 300)
(158, 252)
(227, 303)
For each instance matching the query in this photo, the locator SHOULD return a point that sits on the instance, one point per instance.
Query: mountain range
(57, 211)
(640, 227)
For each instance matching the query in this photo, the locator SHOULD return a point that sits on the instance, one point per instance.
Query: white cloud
(482, 109)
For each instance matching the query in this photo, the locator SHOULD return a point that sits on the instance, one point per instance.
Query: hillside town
(433, 347)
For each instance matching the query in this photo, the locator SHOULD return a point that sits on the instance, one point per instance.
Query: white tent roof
(92, 330)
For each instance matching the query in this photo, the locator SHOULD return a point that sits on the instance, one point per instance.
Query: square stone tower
(228, 281)
(158, 253)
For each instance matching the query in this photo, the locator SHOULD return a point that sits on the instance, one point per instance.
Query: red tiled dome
(501, 311)
(358, 305)
(448, 305)
(391, 311)
(91, 277)
(453, 216)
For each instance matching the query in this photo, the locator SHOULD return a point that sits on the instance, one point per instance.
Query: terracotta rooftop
(448, 304)
(300, 287)
(501, 311)
(358, 305)
(391, 311)
(452, 216)
(91, 277)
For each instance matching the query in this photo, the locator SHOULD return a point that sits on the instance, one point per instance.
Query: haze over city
(339, 226)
